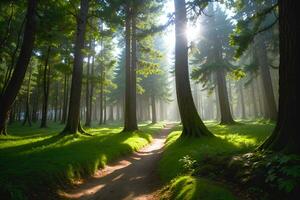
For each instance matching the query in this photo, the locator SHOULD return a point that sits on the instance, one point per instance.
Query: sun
(192, 33)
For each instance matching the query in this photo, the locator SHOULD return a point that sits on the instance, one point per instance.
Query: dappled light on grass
(53, 159)
(229, 139)
(191, 188)
(130, 177)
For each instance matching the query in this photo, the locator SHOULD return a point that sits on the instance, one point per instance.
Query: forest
(149, 100)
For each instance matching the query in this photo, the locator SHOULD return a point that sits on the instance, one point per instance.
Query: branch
(267, 27)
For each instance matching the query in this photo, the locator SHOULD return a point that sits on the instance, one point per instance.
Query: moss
(191, 188)
(211, 153)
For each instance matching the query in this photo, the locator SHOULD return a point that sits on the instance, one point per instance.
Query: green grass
(188, 187)
(34, 157)
(231, 139)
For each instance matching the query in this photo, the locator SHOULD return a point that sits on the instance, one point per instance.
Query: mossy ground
(230, 140)
(34, 160)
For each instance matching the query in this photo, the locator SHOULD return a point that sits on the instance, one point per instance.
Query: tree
(8, 97)
(255, 22)
(191, 121)
(73, 121)
(130, 121)
(213, 56)
(285, 137)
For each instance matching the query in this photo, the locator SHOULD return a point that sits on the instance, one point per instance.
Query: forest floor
(191, 167)
(132, 177)
(36, 162)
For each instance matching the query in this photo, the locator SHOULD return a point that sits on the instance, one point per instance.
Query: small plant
(283, 172)
(188, 163)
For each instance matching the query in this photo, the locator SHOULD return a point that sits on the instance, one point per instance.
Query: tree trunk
(255, 114)
(9, 94)
(91, 92)
(153, 107)
(102, 81)
(191, 123)
(242, 101)
(261, 53)
(65, 103)
(230, 96)
(226, 117)
(111, 113)
(46, 87)
(130, 121)
(87, 95)
(286, 137)
(104, 109)
(27, 107)
(56, 102)
(73, 122)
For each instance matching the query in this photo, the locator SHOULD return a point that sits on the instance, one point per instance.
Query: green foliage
(213, 50)
(283, 171)
(237, 74)
(253, 18)
(187, 163)
(32, 158)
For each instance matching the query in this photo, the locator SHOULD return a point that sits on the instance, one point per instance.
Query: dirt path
(132, 177)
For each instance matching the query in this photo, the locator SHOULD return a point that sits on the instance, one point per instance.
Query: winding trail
(133, 177)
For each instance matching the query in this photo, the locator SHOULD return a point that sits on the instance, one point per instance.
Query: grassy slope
(230, 140)
(33, 157)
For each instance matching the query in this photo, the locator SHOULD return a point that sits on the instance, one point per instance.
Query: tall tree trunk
(104, 110)
(261, 53)
(9, 94)
(87, 95)
(191, 123)
(226, 117)
(286, 137)
(255, 114)
(46, 87)
(130, 122)
(230, 96)
(27, 107)
(65, 100)
(56, 102)
(91, 92)
(153, 108)
(102, 81)
(73, 122)
(111, 113)
(242, 101)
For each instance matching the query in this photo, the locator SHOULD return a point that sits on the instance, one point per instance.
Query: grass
(231, 139)
(34, 159)
(188, 187)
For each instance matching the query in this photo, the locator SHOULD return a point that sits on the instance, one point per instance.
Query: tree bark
(27, 106)
(73, 122)
(153, 107)
(111, 113)
(46, 87)
(242, 101)
(191, 123)
(130, 121)
(9, 95)
(87, 94)
(56, 102)
(65, 103)
(255, 110)
(286, 137)
(102, 81)
(226, 117)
